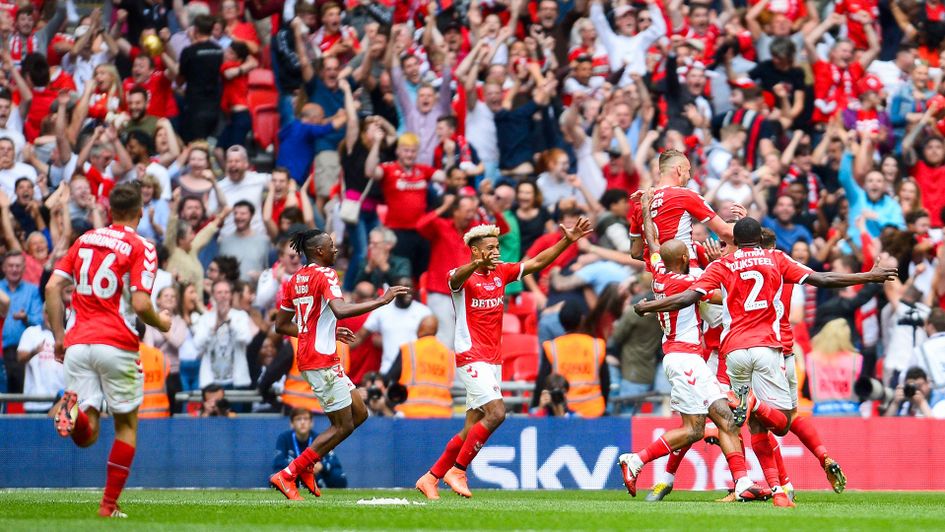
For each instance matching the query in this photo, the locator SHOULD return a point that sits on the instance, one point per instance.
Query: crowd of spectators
(401, 124)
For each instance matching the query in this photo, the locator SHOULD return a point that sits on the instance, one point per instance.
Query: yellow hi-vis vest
(578, 358)
(156, 368)
(427, 370)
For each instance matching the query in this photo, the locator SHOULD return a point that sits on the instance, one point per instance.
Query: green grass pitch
(230, 510)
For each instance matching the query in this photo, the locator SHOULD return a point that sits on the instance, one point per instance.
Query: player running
(313, 299)
(751, 280)
(113, 270)
(695, 391)
(478, 289)
(802, 427)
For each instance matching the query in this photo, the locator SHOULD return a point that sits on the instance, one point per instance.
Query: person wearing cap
(865, 117)
(626, 47)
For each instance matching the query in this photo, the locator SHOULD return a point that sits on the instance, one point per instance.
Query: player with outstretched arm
(751, 280)
(113, 270)
(478, 289)
(696, 393)
(312, 298)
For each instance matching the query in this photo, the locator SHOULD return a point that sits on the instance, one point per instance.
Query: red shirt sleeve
(698, 208)
(329, 288)
(636, 219)
(712, 279)
(285, 299)
(792, 271)
(511, 271)
(143, 268)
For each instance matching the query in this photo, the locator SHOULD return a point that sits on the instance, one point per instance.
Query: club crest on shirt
(498, 282)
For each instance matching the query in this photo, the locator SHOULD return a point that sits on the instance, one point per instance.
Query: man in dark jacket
(327, 471)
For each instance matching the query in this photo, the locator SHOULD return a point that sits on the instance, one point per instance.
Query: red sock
(736, 464)
(778, 459)
(307, 458)
(475, 439)
(805, 431)
(81, 431)
(448, 458)
(774, 420)
(119, 465)
(762, 447)
(675, 459)
(655, 450)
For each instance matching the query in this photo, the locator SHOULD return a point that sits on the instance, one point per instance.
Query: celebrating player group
(726, 340)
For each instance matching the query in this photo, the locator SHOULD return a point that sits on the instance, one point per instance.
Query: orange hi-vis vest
(427, 370)
(832, 379)
(578, 358)
(155, 368)
(297, 392)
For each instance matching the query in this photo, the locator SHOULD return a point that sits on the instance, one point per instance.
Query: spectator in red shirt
(161, 101)
(835, 79)
(928, 170)
(237, 29)
(405, 184)
(237, 63)
(444, 229)
(538, 287)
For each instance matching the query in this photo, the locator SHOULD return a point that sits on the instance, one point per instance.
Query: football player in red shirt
(802, 427)
(113, 270)
(313, 300)
(752, 279)
(676, 208)
(695, 391)
(478, 289)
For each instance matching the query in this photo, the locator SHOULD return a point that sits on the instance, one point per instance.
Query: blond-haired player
(478, 289)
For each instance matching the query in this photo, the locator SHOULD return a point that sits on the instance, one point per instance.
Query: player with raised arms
(676, 208)
(695, 391)
(751, 280)
(113, 270)
(478, 289)
(312, 298)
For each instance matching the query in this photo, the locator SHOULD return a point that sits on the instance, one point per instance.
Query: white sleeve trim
(61, 273)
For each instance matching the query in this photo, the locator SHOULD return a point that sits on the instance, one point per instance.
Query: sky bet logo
(494, 464)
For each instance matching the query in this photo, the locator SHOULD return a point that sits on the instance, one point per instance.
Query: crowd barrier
(525, 453)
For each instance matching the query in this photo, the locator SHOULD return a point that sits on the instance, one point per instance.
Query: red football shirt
(307, 294)
(161, 102)
(682, 329)
(406, 193)
(751, 280)
(107, 265)
(478, 306)
(674, 211)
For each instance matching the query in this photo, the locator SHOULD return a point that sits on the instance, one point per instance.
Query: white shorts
(481, 381)
(790, 372)
(713, 365)
(762, 368)
(105, 376)
(331, 386)
(694, 387)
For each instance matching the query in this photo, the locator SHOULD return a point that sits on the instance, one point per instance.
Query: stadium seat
(266, 126)
(511, 324)
(525, 369)
(263, 99)
(522, 305)
(530, 324)
(516, 346)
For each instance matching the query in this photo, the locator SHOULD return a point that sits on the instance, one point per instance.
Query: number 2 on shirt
(751, 302)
